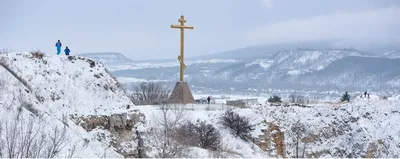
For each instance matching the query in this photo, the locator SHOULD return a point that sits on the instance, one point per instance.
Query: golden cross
(181, 57)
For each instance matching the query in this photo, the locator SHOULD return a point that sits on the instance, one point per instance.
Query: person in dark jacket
(365, 94)
(67, 51)
(208, 100)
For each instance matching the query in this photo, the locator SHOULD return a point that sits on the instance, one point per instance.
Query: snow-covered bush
(199, 134)
(239, 125)
(274, 99)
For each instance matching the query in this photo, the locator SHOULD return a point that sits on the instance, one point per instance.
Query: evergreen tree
(345, 97)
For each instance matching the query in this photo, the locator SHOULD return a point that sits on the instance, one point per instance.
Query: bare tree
(299, 131)
(170, 118)
(57, 142)
(299, 99)
(150, 93)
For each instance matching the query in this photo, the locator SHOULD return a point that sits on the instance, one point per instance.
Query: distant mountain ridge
(108, 57)
(298, 68)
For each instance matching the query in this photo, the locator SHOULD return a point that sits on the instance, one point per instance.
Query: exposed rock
(272, 140)
(278, 138)
(121, 127)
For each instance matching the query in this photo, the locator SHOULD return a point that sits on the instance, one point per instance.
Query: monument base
(181, 94)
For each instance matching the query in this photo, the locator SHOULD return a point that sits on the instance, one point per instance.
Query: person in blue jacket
(58, 45)
(67, 51)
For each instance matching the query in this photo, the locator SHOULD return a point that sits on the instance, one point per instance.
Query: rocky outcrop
(272, 141)
(278, 138)
(114, 122)
(121, 126)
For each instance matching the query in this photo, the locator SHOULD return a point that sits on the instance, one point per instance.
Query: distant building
(242, 102)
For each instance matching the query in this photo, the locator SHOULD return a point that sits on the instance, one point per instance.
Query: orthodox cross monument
(181, 93)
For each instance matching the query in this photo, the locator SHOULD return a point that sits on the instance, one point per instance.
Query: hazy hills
(277, 66)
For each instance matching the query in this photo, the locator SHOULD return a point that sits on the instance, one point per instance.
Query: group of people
(59, 45)
(365, 94)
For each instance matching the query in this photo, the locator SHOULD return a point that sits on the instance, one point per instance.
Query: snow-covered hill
(310, 69)
(49, 93)
(290, 62)
(51, 88)
(354, 72)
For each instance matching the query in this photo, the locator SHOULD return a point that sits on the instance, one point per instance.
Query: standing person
(365, 94)
(208, 100)
(58, 45)
(67, 51)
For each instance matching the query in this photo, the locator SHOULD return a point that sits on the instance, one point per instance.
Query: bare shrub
(239, 125)
(27, 139)
(162, 135)
(91, 62)
(147, 93)
(5, 51)
(37, 54)
(299, 99)
(200, 134)
(274, 99)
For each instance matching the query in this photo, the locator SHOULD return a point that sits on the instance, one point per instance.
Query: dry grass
(5, 51)
(37, 54)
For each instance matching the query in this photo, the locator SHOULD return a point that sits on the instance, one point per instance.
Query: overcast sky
(141, 29)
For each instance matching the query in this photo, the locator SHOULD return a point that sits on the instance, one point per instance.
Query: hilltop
(57, 90)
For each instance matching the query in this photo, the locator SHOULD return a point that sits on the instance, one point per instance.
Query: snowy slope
(363, 127)
(58, 86)
(232, 145)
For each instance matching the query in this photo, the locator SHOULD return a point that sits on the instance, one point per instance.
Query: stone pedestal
(181, 94)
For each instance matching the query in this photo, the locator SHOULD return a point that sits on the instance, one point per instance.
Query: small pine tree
(345, 96)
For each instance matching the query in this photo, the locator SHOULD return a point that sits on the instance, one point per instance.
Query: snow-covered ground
(365, 126)
(53, 87)
(211, 114)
